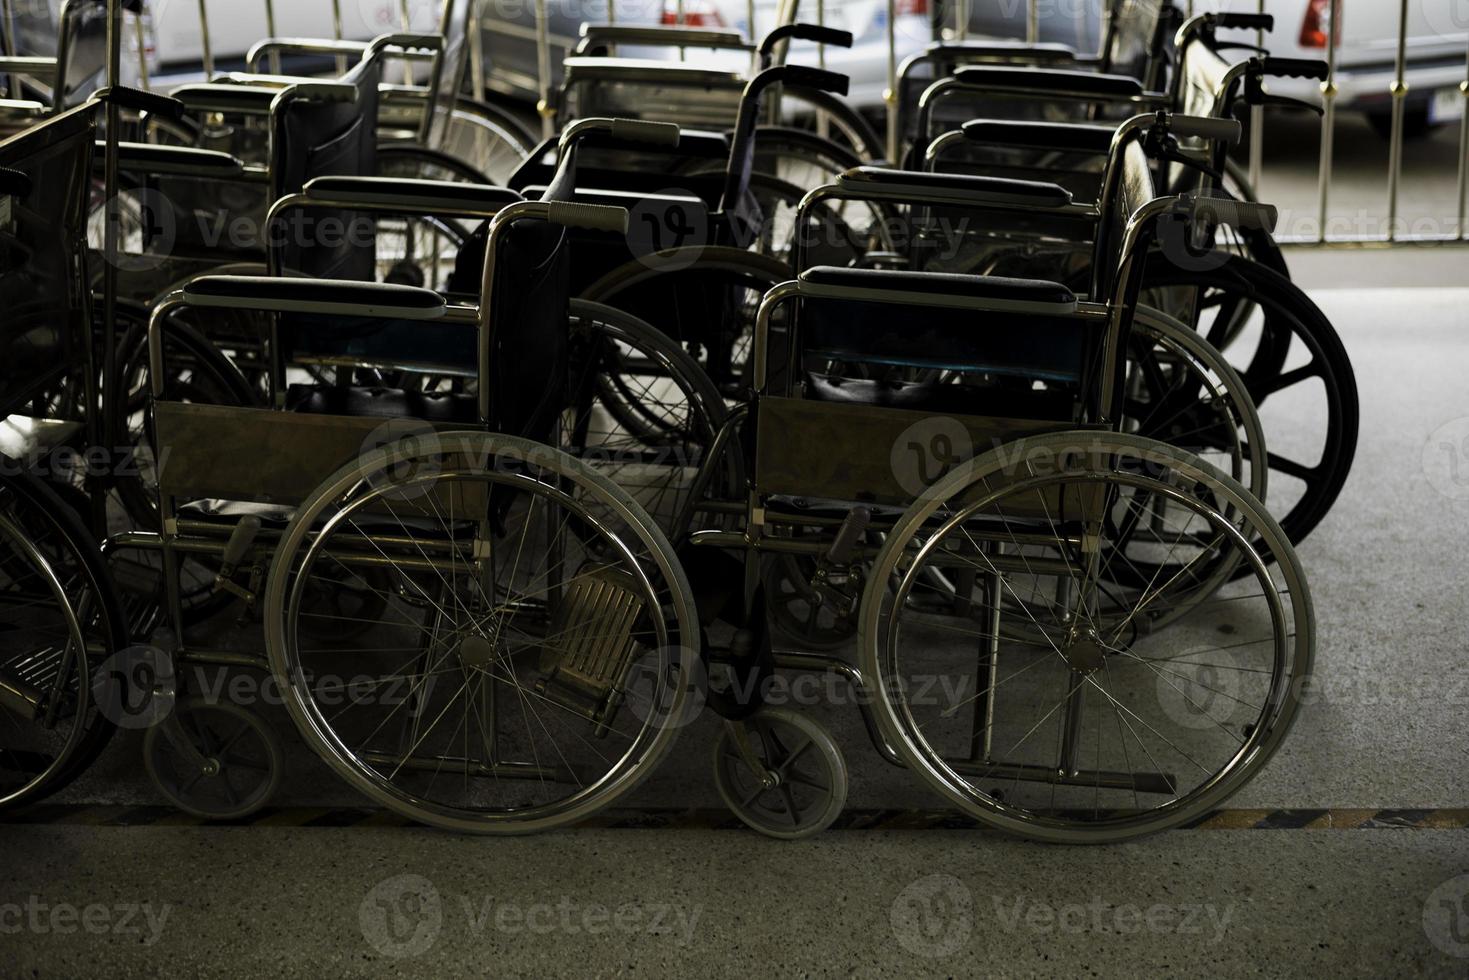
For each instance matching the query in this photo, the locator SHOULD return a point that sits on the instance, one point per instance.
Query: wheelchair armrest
(331, 297)
(40, 68)
(595, 35)
(987, 292)
(412, 196)
(1011, 52)
(1051, 83)
(253, 100)
(20, 109)
(919, 187)
(153, 158)
(300, 45)
(140, 101)
(1069, 137)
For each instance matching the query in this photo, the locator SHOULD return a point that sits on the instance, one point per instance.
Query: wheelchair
(1031, 578)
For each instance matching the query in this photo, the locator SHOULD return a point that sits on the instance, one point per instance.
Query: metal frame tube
(543, 70)
(1463, 226)
(1328, 123)
(208, 48)
(891, 95)
(1399, 108)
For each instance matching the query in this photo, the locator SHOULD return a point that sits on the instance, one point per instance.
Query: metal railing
(1256, 165)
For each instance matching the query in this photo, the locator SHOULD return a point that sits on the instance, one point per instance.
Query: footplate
(592, 648)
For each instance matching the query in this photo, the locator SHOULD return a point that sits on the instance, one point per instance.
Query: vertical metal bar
(140, 32)
(750, 23)
(543, 69)
(338, 34)
(891, 95)
(1399, 107)
(1257, 123)
(110, 245)
(12, 44)
(678, 14)
(612, 12)
(1464, 149)
(208, 50)
(1328, 123)
(275, 56)
(961, 29)
(823, 122)
(1033, 23)
(477, 48)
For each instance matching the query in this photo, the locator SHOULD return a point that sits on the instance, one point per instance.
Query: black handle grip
(1245, 22)
(1294, 68)
(1223, 130)
(13, 183)
(817, 78)
(140, 101)
(1235, 214)
(806, 32)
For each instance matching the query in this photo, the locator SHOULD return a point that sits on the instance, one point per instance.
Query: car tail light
(912, 8)
(1318, 26)
(694, 15)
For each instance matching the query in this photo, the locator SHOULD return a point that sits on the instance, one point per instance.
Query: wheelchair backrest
(524, 342)
(312, 138)
(45, 178)
(81, 50)
(1136, 39)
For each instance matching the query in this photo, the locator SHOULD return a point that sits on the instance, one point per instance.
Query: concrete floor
(1386, 730)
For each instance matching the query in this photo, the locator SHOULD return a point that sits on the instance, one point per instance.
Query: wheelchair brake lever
(1164, 146)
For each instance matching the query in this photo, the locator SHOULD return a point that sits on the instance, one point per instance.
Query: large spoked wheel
(646, 416)
(59, 620)
(1294, 367)
(535, 647)
(1089, 726)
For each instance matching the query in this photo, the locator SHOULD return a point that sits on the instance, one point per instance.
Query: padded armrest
(1071, 137)
(153, 158)
(213, 97)
(997, 292)
(1051, 81)
(335, 297)
(1016, 52)
(916, 185)
(428, 196)
(660, 37)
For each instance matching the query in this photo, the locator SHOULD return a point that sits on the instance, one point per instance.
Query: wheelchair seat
(942, 397)
(1032, 193)
(1037, 295)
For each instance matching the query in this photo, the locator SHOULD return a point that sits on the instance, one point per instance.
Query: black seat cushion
(392, 403)
(1073, 137)
(945, 284)
(1035, 193)
(1052, 80)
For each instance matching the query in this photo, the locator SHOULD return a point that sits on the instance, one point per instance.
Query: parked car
(1366, 41)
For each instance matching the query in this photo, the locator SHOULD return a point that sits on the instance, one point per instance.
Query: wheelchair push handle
(1245, 22)
(802, 76)
(1311, 68)
(589, 217)
(805, 32)
(642, 131)
(140, 101)
(13, 183)
(1203, 127)
(1235, 213)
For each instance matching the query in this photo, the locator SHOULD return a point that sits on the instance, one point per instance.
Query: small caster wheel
(212, 760)
(797, 610)
(801, 785)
